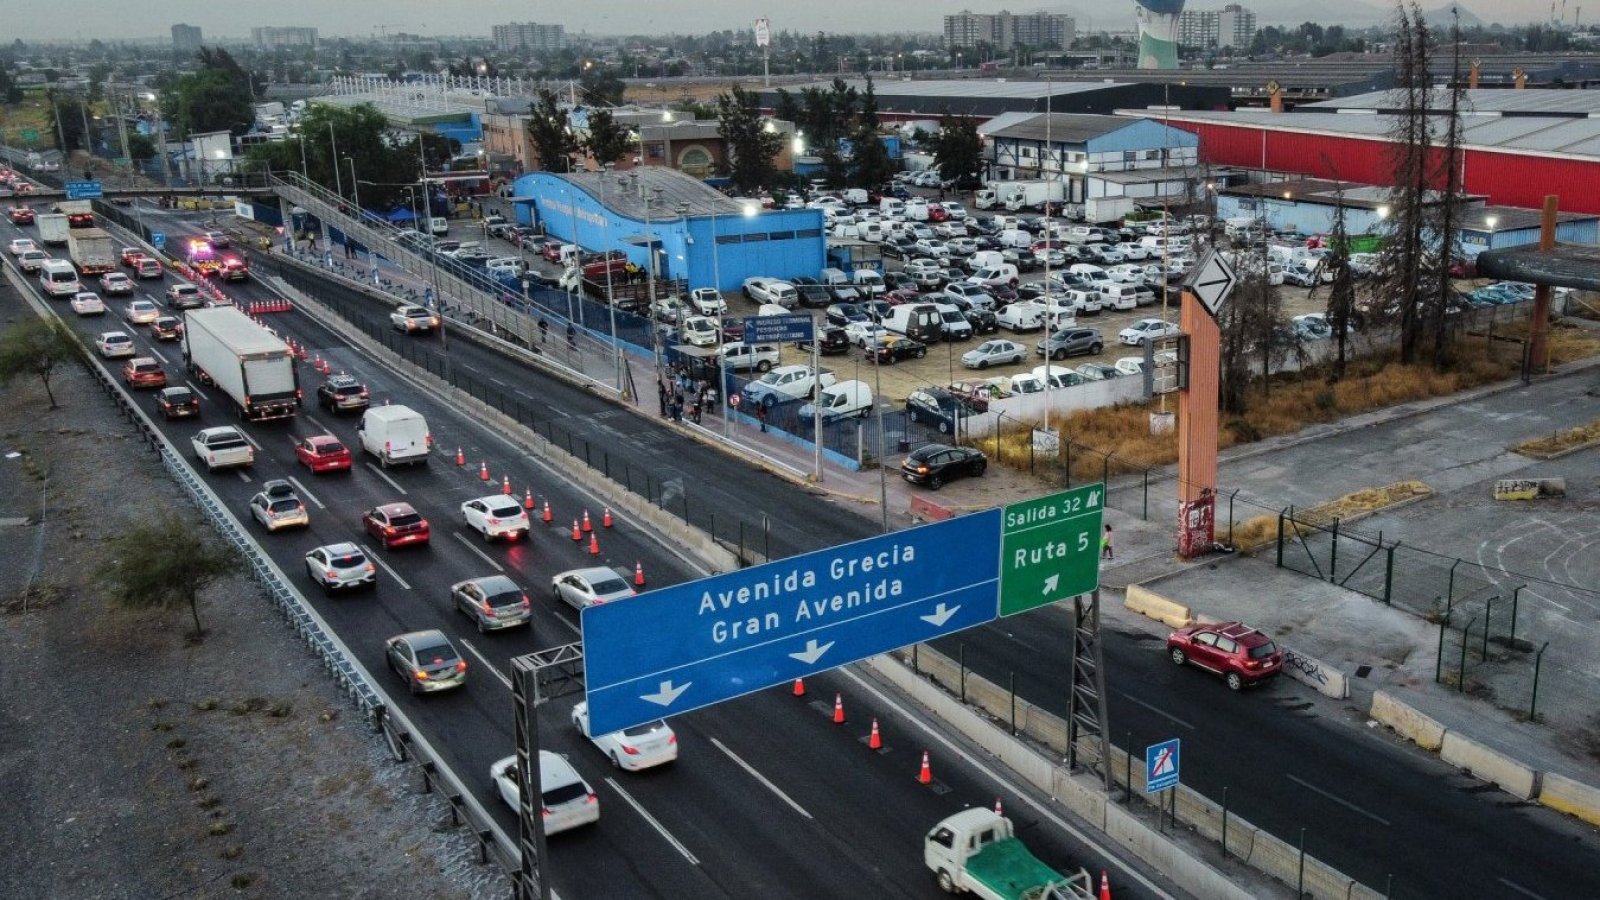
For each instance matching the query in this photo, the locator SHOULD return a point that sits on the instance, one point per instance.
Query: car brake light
(388, 529)
(421, 675)
(631, 751)
(461, 666)
(591, 798)
(487, 609)
(371, 568)
(299, 394)
(428, 439)
(493, 521)
(330, 574)
(524, 601)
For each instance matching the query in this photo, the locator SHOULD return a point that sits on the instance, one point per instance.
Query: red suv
(1239, 653)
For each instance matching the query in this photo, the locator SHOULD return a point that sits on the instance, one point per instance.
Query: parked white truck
(52, 228)
(1033, 194)
(1102, 210)
(91, 251)
(977, 851)
(785, 383)
(248, 363)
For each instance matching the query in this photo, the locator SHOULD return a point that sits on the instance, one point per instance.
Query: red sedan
(396, 524)
(144, 372)
(131, 256)
(323, 453)
(21, 215)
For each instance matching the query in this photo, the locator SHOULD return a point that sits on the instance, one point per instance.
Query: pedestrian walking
(661, 395)
(694, 409)
(761, 416)
(572, 336)
(1106, 551)
(677, 407)
(544, 331)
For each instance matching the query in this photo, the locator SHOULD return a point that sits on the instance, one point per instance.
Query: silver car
(426, 661)
(587, 587)
(493, 602)
(342, 566)
(278, 506)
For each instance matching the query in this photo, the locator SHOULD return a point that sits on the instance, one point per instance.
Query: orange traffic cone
(874, 741)
(594, 545)
(576, 534)
(586, 526)
(505, 485)
(799, 687)
(461, 458)
(1105, 886)
(548, 518)
(925, 776)
(606, 519)
(483, 471)
(638, 574)
(527, 499)
(317, 364)
(838, 709)
(998, 810)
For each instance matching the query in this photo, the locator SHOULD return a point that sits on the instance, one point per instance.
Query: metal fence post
(1224, 821)
(1388, 575)
(1333, 552)
(1451, 591)
(1300, 886)
(1144, 513)
(1538, 664)
(1488, 616)
(1280, 538)
(1461, 676)
(1438, 660)
(1069, 462)
(1516, 597)
(1013, 704)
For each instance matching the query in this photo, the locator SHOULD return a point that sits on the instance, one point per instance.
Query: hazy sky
(109, 19)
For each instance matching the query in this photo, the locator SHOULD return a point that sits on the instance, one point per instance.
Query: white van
(1027, 384)
(986, 259)
(771, 309)
(892, 206)
(59, 278)
(438, 225)
(1007, 223)
(1004, 274)
(847, 398)
(871, 231)
(1056, 377)
(954, 326)
(1022, 316)
(845, 231)
(856, 196)
(831, 277)
(1087, 270)
(869, 282)
(1015, 238)
(918, 321)
(1117, 295)
(917, 209)
(395, 434)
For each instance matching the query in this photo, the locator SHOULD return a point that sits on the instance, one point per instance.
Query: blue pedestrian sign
(1161, 766)
(778, 329)
(84, 190)
(158, 239)
(691, 645)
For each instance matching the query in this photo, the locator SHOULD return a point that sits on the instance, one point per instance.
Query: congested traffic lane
(729, 816)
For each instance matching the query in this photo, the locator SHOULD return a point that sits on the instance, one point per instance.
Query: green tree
(600, 87)
(140, 147)
(359, 133)
(216, 97)
(751, 145)
(958, 151)
(872, 166)
(785, 107)
(165, 562)
(65, 119)
(607, 141)
(1342, 291)
(36, 347)
(10, 92)
(548, 129)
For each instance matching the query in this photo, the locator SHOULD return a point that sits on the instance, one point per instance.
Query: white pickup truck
(976, 851)
(222, 447)
(785, 383)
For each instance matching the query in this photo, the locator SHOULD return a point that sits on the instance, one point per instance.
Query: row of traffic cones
(255, 307)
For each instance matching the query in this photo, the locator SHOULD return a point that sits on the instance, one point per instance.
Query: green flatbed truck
(977, 851)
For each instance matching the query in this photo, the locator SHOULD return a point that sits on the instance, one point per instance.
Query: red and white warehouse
(1518, 145)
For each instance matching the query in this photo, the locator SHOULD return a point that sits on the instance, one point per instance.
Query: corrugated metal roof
(625, 194)
(1482, 101)
(965, 88)
(1004, 120)
(1062, 128)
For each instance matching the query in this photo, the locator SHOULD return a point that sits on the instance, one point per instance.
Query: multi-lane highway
(768, 797)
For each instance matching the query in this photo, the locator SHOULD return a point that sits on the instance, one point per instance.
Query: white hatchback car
(1147, 330)
(341, 566)
(143, 312)
(21, 246)
(568, 800)
(114, 344)
(88, 303)
(586, 587)
(639, 747)
(496, 515)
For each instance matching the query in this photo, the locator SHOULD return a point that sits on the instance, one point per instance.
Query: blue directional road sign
(683, 647)
(1161, 766)
(778, 329)
(84, 190)
(158, 239)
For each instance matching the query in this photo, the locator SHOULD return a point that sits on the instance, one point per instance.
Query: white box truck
(1101, 210)
(395, 435)
(248, 363)
(91, 250)
(1034, 194)
(52, 228)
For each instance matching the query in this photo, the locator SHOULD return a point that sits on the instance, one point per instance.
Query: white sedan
(143, 312)
(496, 515)
(88, 303)
(639, 747)
(116, 283)
(22, 245)
(993, 353)
(587, 587)
(863, 333)
(114, 344)
(1147, 330)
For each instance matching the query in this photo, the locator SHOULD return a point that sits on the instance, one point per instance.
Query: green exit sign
(31, 135)
(1050, 548)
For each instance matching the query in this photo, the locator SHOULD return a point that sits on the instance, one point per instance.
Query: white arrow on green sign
(1050, 548)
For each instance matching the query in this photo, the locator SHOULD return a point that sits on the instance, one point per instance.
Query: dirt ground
(138, 765)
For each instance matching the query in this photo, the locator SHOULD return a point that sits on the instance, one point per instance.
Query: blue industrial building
(1307, 206)
(697, 233)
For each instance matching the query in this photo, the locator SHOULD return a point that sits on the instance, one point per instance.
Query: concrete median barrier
(1421, 730)
(1146, 602)
(1322, 678)
(1572, 797)
(1514, 778)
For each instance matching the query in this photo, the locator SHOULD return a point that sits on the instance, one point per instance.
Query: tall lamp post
(338, 180)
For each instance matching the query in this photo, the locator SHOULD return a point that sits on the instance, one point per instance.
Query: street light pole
(355, 187)
(338, 180)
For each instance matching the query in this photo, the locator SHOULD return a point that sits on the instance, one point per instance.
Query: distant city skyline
(108, 19)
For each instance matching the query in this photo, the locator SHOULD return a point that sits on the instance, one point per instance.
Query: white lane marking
(196, 388)
(481, 555)
(242, 476)
(392, 573)
(1165, 715)
(302, 489)
(1520, 889)
(380, 473)
(499, 382)
(157, 354)
(313, 420)
(661, 829)
(246, 435)
(485, 660)
(1339, 800)
(761, 778)
(1083, 837)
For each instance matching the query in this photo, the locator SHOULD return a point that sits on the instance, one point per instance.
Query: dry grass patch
(1560, 442)
(1259, 531)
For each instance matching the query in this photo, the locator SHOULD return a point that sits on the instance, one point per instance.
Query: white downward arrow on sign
(1050, 584)
(667, 694)
(813, 651)
(940, 616)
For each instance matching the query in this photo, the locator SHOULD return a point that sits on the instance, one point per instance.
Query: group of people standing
(679, 393)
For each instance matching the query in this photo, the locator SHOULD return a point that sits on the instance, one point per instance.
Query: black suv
(341, 393)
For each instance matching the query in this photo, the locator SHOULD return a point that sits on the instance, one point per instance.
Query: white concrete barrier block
(1323, 678)
(1425, 732)
(1514, 778)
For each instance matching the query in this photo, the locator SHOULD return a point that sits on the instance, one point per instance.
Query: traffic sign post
(1161, 766)
(158, 239)
(691, 645)
(1212, 282)
(1050, 548)
(84, 190)
(778, 329)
